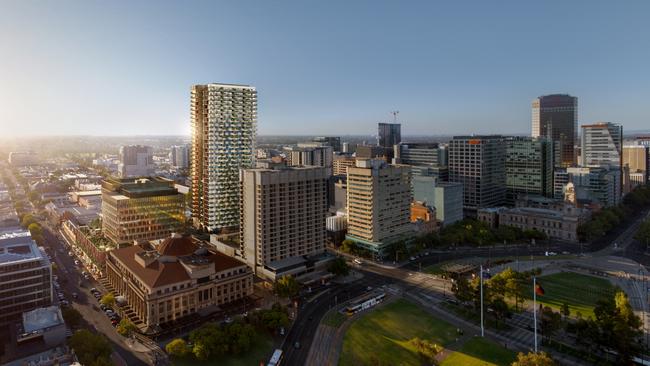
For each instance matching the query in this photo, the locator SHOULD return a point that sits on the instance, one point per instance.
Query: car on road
(281, 331)
(357, 261)
(296, 345)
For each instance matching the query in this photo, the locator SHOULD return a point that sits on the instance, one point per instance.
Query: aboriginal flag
(539, 290)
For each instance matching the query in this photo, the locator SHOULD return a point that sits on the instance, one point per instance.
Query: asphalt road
(489, 252)
(69, 279)
(309, 317)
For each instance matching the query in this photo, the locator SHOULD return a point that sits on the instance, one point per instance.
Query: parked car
(93, 289)
(412, 258)
(74, 295)
(114, 322)
(102, 306)
(296, 345)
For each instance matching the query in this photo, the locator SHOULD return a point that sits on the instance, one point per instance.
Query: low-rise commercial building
(423, 217)
(90, 245)
(490, 215)
(44, 323)
(559, 225)
(445, 197)
(176, 278)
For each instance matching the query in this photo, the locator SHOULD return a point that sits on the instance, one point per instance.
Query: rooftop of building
(42, 318)
(284, 168)
(478, 137)
(97, 192)
(243, 86)
(158, 271)
(96, 237)
(420, 145)
(492, 209)
(139, 187)
(600, 125)
(18, 246)
(537, 211)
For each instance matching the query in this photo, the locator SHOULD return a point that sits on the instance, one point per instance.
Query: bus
(365, 301)
(276, 358)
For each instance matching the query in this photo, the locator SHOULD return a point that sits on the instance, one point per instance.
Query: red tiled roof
(166, 273)
(155, 274)
(223, 262)
(177, 247)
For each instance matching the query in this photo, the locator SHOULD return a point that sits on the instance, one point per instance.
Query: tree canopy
(177, 347)
(339, 267)
(108, 300)
(534, 359)
(125, 327)
(92, 349)
(287, 286)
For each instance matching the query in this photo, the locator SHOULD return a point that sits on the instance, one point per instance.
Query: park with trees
(609, 219)
(580, 315)
(247, 337)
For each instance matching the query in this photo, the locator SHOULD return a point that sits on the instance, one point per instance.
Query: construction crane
(394, 113)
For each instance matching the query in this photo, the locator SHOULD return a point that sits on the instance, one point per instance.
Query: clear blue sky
(320, 67)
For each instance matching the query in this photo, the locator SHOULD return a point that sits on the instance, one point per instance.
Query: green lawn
(479, 352)
(260, 351)
(580, 292)
(382, 335)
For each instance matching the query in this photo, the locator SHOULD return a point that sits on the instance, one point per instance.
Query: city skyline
(111, 70)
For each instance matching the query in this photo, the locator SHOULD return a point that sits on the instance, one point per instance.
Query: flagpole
(481, 279)
(535, 310)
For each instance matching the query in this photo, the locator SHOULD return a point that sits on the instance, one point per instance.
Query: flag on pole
(539, 290)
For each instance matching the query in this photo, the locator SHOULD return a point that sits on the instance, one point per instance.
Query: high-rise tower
(556, 117)
(389, 134)
(224, 121)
